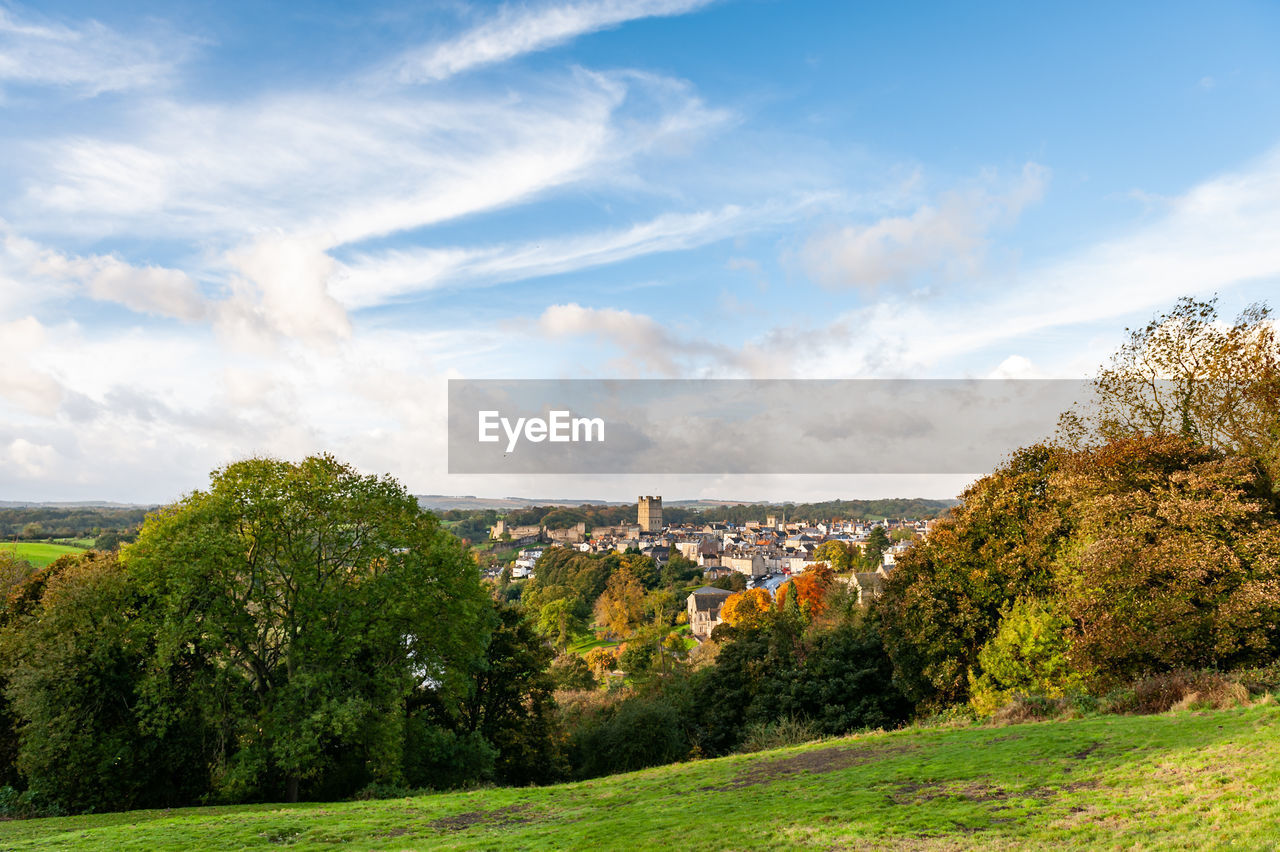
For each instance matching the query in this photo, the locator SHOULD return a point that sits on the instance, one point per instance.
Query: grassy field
(589, 641)
(1187, 780)
(38, 553)
(84, 543)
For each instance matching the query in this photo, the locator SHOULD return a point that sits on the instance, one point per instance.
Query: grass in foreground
(1186, 780)
(39, 553)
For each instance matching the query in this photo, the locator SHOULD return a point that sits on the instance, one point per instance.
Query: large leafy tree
(748, 609)
(620, 608)
(1188, 373)
(77, 645)
(309, 602)
(1175, 560)
(945, 598)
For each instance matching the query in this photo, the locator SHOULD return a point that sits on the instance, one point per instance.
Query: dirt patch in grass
(816, 762)
(913, 793)
(1086, 751)
(510, 815)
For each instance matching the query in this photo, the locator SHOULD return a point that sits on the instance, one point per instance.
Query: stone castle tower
(649, 514)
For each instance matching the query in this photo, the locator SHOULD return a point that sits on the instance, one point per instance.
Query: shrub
(637, 732)
(26, 804)
(1179, 690)
(1029, 708)
(787, 731)
(1028, 655)
(439, 758)
(570, 671)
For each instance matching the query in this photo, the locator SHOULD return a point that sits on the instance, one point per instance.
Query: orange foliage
(747, 609)
(811, 589)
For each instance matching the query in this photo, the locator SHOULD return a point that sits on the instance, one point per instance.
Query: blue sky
(234, 228)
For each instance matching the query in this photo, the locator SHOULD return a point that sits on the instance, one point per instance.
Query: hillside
(1181, 780)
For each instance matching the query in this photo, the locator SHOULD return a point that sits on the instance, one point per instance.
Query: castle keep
(649, 514)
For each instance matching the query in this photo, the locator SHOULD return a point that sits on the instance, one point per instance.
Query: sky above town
(232, 228)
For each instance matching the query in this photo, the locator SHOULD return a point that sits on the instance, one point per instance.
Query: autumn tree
(601, 660)
(621, 606)
(811, 590)
(946, 596)
(749, 609)
(841, 556)
(1175, 560)
(1187, 373)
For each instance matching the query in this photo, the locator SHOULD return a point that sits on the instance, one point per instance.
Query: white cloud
(1217, 236)
(330, 168)
(88, 58)
(288, 282)
(270, 188)
(31, 460)
(31, 273)
(32, 389)
(374, 279)
(1016, 367)
(949, 235)
(645, 343)
(518, 30)
(332, 171)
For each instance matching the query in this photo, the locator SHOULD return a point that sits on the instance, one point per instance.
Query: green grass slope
(1187, 780)
(39, 553)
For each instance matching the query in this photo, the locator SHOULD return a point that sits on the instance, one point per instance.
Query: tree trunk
(291, 789)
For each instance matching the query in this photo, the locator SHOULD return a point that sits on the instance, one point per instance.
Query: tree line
(41, 522)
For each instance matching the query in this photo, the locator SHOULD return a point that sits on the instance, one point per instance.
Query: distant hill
(40, 521)
(72, 504)
(679, 511)
(444, 503)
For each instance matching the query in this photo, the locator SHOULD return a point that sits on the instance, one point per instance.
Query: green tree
(1029, 654)
(312, 601)
(77, 653)
(679, 569)
(508, 702)
(873, 552)
(837, 554)
(734, 582)
(561, 621)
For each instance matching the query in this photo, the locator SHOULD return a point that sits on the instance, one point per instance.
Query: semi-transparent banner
(727, 426)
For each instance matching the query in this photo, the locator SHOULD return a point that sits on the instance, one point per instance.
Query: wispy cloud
(273, 187)
(87, 59)
(374, 279)
(646, 344)
(1216, 236)
(517, 30)
(949, 235)
(336, 168)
